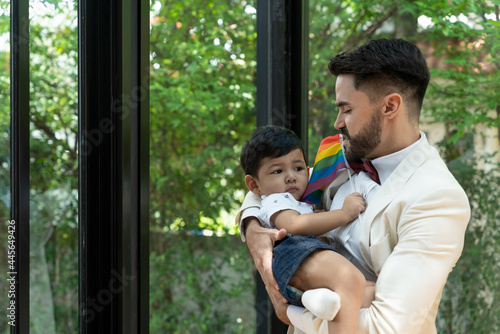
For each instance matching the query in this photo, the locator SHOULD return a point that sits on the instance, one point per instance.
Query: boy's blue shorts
(287, 257)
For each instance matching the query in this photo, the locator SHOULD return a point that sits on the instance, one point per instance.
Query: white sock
(294, 314)
(323, 303)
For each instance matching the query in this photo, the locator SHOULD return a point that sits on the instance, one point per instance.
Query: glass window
(53, 167)
(203, 66)
(4, 156)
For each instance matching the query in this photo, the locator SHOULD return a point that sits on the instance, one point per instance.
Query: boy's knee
(352, 278)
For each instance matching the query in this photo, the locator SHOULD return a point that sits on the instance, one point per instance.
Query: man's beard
(365, 141)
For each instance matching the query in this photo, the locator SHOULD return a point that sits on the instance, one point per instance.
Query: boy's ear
(252, 184)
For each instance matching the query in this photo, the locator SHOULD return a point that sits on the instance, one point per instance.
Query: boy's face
(287, 173)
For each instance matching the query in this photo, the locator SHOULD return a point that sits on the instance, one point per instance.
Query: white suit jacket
(411, 237)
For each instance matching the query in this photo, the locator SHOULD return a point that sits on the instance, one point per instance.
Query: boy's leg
(327, 269)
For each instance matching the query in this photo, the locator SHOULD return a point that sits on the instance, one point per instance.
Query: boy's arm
(249, 208)
(321, 222)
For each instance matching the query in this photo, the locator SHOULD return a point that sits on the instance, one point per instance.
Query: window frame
(20, 159)
(114, 171)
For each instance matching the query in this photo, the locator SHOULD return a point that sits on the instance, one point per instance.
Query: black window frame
(20, 159)
(113, 166)
(113, 81)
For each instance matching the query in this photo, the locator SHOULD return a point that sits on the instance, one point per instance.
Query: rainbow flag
(329, 164)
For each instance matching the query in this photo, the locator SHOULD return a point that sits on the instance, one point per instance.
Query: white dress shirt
(346, 238)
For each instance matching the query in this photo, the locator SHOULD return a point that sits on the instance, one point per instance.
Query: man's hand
(280, 304)
(260, 243)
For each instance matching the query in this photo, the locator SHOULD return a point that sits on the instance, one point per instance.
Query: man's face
(358, 120)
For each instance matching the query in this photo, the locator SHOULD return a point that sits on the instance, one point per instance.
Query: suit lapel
(373, 227)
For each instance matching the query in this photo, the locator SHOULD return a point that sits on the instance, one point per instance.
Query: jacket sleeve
(429, 241)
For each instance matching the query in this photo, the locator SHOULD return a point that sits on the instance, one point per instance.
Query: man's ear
(252, 184)
(392, 103)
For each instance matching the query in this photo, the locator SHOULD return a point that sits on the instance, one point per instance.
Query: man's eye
(347, 111)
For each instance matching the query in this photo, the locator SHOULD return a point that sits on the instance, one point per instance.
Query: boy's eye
(298, 169)
(278, 171)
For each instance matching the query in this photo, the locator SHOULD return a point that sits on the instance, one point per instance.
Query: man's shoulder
(424, 172)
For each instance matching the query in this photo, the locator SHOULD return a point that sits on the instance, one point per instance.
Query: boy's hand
(260, 243)
(354, 204)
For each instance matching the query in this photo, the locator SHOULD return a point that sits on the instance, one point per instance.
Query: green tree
(202, 109)
(461, 40)
(202, 100)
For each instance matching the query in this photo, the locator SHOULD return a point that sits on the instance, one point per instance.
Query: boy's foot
(323, 303)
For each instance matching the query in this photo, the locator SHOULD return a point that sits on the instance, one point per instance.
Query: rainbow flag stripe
(329, 163)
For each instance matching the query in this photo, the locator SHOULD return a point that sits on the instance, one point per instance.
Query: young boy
(276, 169)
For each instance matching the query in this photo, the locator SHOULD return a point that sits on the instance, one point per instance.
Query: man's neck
(395, 141)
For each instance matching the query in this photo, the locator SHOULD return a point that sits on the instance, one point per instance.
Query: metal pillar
(20, 168)
(282, 92)
(113, 166)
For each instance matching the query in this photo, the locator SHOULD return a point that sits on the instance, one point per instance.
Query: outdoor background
(203, 85)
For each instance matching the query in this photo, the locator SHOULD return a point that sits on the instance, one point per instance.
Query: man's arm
(260, 243)
(259, 240)
(430, 240)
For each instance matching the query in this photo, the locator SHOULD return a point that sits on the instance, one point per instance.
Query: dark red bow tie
(367, 167)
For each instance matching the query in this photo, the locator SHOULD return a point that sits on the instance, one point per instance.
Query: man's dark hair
(268, 142)
(384, 66)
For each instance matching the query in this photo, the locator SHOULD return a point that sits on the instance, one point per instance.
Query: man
(412, 232)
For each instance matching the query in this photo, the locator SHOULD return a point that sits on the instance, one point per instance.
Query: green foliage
(53, 169)
(334, 28)
(461, 44)
(468, 304)
(464, 93)
(202, 100)
(200, 285)
(465, 57)
(53, 96)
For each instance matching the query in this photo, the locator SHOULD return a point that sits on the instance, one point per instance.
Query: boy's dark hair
(268, 142)
(384, 66)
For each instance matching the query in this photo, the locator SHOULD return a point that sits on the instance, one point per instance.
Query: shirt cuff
(250, 212)
(294, 314)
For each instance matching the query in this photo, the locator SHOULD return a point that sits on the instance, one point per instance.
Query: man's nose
(339, 122)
